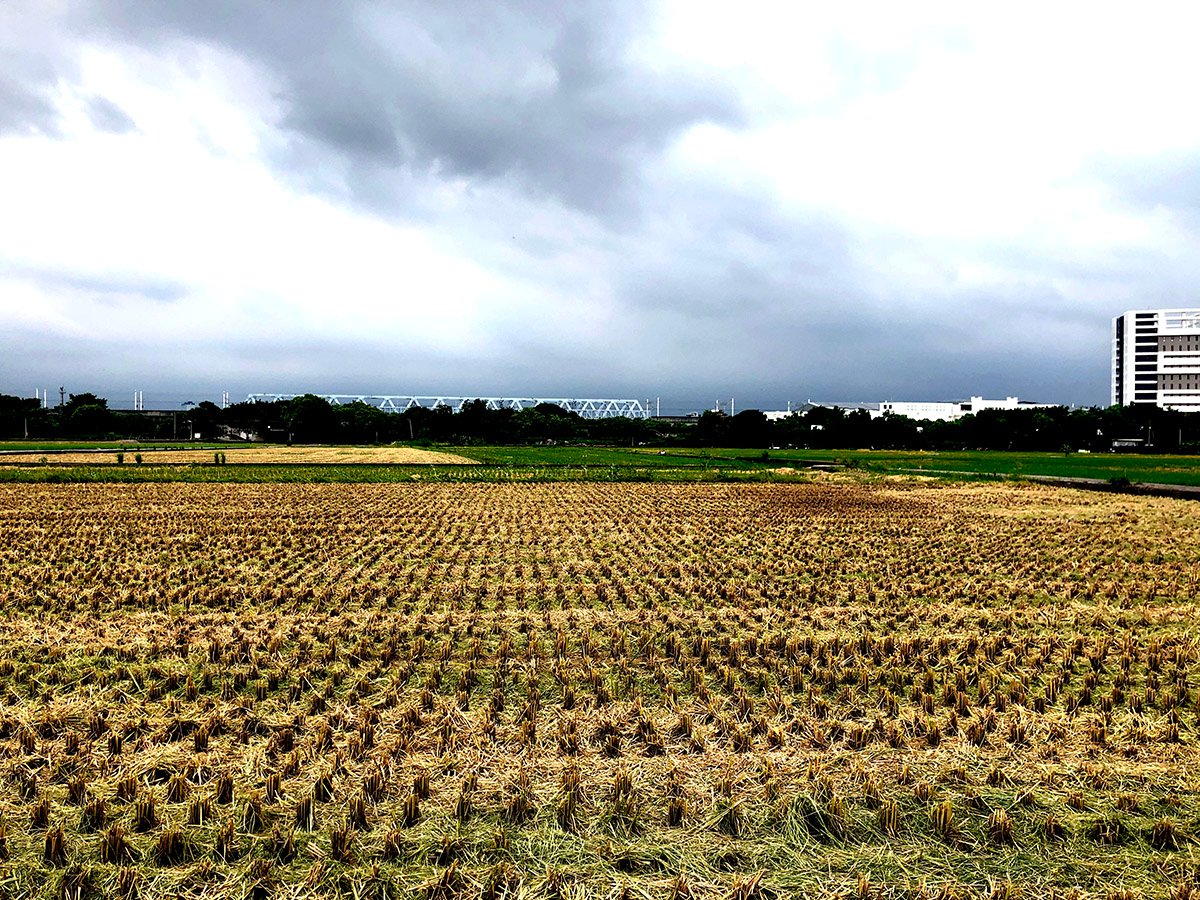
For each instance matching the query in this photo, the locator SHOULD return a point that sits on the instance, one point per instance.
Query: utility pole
(62, 396)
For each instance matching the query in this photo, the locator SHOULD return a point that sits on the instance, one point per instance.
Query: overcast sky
(773, 201)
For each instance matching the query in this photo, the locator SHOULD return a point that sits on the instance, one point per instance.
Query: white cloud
(190, 199)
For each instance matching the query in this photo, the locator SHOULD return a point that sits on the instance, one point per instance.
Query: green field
(582, 456)
(1138, 468)
(566, 463)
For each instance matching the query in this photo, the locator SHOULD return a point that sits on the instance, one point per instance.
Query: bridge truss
(584, 408)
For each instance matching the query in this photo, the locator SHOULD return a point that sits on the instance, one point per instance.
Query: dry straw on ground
(248, 453)
(582, 690)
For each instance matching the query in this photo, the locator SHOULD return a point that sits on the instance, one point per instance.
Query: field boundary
(132, 448)
(1140, 488)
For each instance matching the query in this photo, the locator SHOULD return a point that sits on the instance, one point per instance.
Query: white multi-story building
(948, 412)
(923, 410)
(935, 411)
(1156, 358)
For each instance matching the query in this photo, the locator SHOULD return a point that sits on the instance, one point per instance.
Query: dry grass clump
(595, 690)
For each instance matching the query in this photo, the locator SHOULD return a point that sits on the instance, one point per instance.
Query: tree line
(312, 419)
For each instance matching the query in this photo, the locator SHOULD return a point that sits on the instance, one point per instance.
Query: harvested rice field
(262, 454)
(832, 689)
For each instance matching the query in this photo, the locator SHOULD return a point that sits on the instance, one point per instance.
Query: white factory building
(922, 410)
(955, 409)
(1156, 358)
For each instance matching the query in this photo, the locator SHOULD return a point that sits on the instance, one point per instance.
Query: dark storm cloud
(200, 368)
(742, 256)
(782, 301)
(541, 93)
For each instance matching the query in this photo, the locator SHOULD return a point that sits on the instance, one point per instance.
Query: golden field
(581, 690)
(252, 453)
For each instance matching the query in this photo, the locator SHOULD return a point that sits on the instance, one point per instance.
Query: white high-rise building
(1156, 358)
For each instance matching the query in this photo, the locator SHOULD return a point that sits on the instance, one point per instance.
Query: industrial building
(955, 409)
(936, 411)
(1156, 358)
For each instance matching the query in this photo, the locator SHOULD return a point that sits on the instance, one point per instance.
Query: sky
(688, 200)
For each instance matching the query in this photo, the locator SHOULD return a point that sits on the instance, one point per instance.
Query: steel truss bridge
(584, 408)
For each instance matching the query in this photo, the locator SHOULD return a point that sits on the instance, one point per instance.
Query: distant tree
(750, 428)
(547, 421)
(207, 420)
(792, 430)
(441, 421)
(19, 415)
(825, 427)
(361, 423)
(74, 401)
(474, 420)
(420, 423)
(894, 432)
(857, 430)
(712, 429)
(310, 419)
(86, 416)
(619, 430)
(259, 417)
